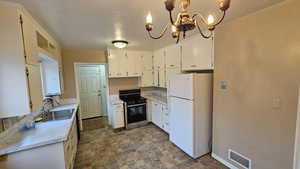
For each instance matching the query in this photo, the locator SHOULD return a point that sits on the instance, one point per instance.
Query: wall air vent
(239, 159)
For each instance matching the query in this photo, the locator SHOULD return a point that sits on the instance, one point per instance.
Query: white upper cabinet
(197, 54)
(20, 78)
(162, 78)
(134, 63)
(147, 79)
(171, 72)
(159, 59)
(30, 40)
(147, 60)
(116, 60)
(173, 56)
(35, 87)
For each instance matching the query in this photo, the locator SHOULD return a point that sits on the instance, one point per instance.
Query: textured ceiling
(93, 24)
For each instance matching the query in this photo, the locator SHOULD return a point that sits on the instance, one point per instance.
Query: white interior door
(90, 88)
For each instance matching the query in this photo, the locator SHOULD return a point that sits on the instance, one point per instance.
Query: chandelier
(185, 22)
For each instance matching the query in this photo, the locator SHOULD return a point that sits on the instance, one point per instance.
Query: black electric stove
(135, 107)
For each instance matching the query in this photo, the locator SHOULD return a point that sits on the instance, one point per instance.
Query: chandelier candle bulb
(174, 29)
(149, 19)
(210, 20)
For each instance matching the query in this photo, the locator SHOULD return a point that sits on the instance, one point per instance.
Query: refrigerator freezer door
(181, 124)
(181, 86)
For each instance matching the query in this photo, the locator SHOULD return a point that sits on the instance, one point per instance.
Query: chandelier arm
(171, 18)
(178, 38)
(201, 17)
(201, 32)
(204, 20)
(162, 33)
(221, 19)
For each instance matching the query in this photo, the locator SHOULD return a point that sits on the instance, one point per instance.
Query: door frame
(296, 164)
(76, 72)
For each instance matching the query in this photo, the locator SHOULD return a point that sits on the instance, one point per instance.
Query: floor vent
(239, 159)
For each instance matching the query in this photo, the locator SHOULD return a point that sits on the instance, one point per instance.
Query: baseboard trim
(221, 160)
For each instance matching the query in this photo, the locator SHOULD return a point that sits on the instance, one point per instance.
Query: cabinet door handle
(171, 65)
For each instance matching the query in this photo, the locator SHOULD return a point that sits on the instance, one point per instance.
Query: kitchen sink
(57, 115)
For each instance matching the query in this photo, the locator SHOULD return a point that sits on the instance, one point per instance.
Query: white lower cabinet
(70, 147)
(165, 118)
(157, 114)
(160, 115)
(117, 116)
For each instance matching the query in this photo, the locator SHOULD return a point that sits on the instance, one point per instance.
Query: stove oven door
(136, 113)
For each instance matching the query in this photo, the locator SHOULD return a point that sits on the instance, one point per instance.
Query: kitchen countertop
(44, 133)
(114, 99)
(160, 99)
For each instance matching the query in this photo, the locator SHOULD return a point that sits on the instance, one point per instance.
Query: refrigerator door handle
(182, 98)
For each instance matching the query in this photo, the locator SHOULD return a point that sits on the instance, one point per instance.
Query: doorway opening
(92, 94)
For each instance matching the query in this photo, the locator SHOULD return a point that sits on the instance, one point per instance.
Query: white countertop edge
(156, 98)
(16, 148)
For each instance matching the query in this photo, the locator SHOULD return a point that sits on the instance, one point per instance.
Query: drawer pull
(193, 65)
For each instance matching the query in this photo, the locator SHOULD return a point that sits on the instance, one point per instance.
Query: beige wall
(86, 56)
(259, 56)
(122, 83)
(69, 58)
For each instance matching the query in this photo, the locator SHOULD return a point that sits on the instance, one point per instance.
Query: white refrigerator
(190, 98)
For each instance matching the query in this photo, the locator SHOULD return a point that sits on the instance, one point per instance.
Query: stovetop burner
(132, 97)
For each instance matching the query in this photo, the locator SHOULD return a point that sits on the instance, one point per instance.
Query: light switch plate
(276, 103)
(224, 84)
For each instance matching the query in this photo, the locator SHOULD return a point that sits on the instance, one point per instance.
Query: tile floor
(141, 148)
(94, 123)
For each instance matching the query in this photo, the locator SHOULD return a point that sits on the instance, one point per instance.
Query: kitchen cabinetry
(147, 79)
(147, 60)
(117, 63)
(171, 72)
(197, 54)
(159, 115)
(117, 116)
(159, 64)
(19, 79)
(173, 56)
(165, 118)
(35, 86)
(162, 78)
(30, 40)
(124, 63)
(134, 62)
(167, 62)
(70, 147)
(159, 59)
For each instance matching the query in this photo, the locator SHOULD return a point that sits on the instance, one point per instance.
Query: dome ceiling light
(120, 43)
(185, 22)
